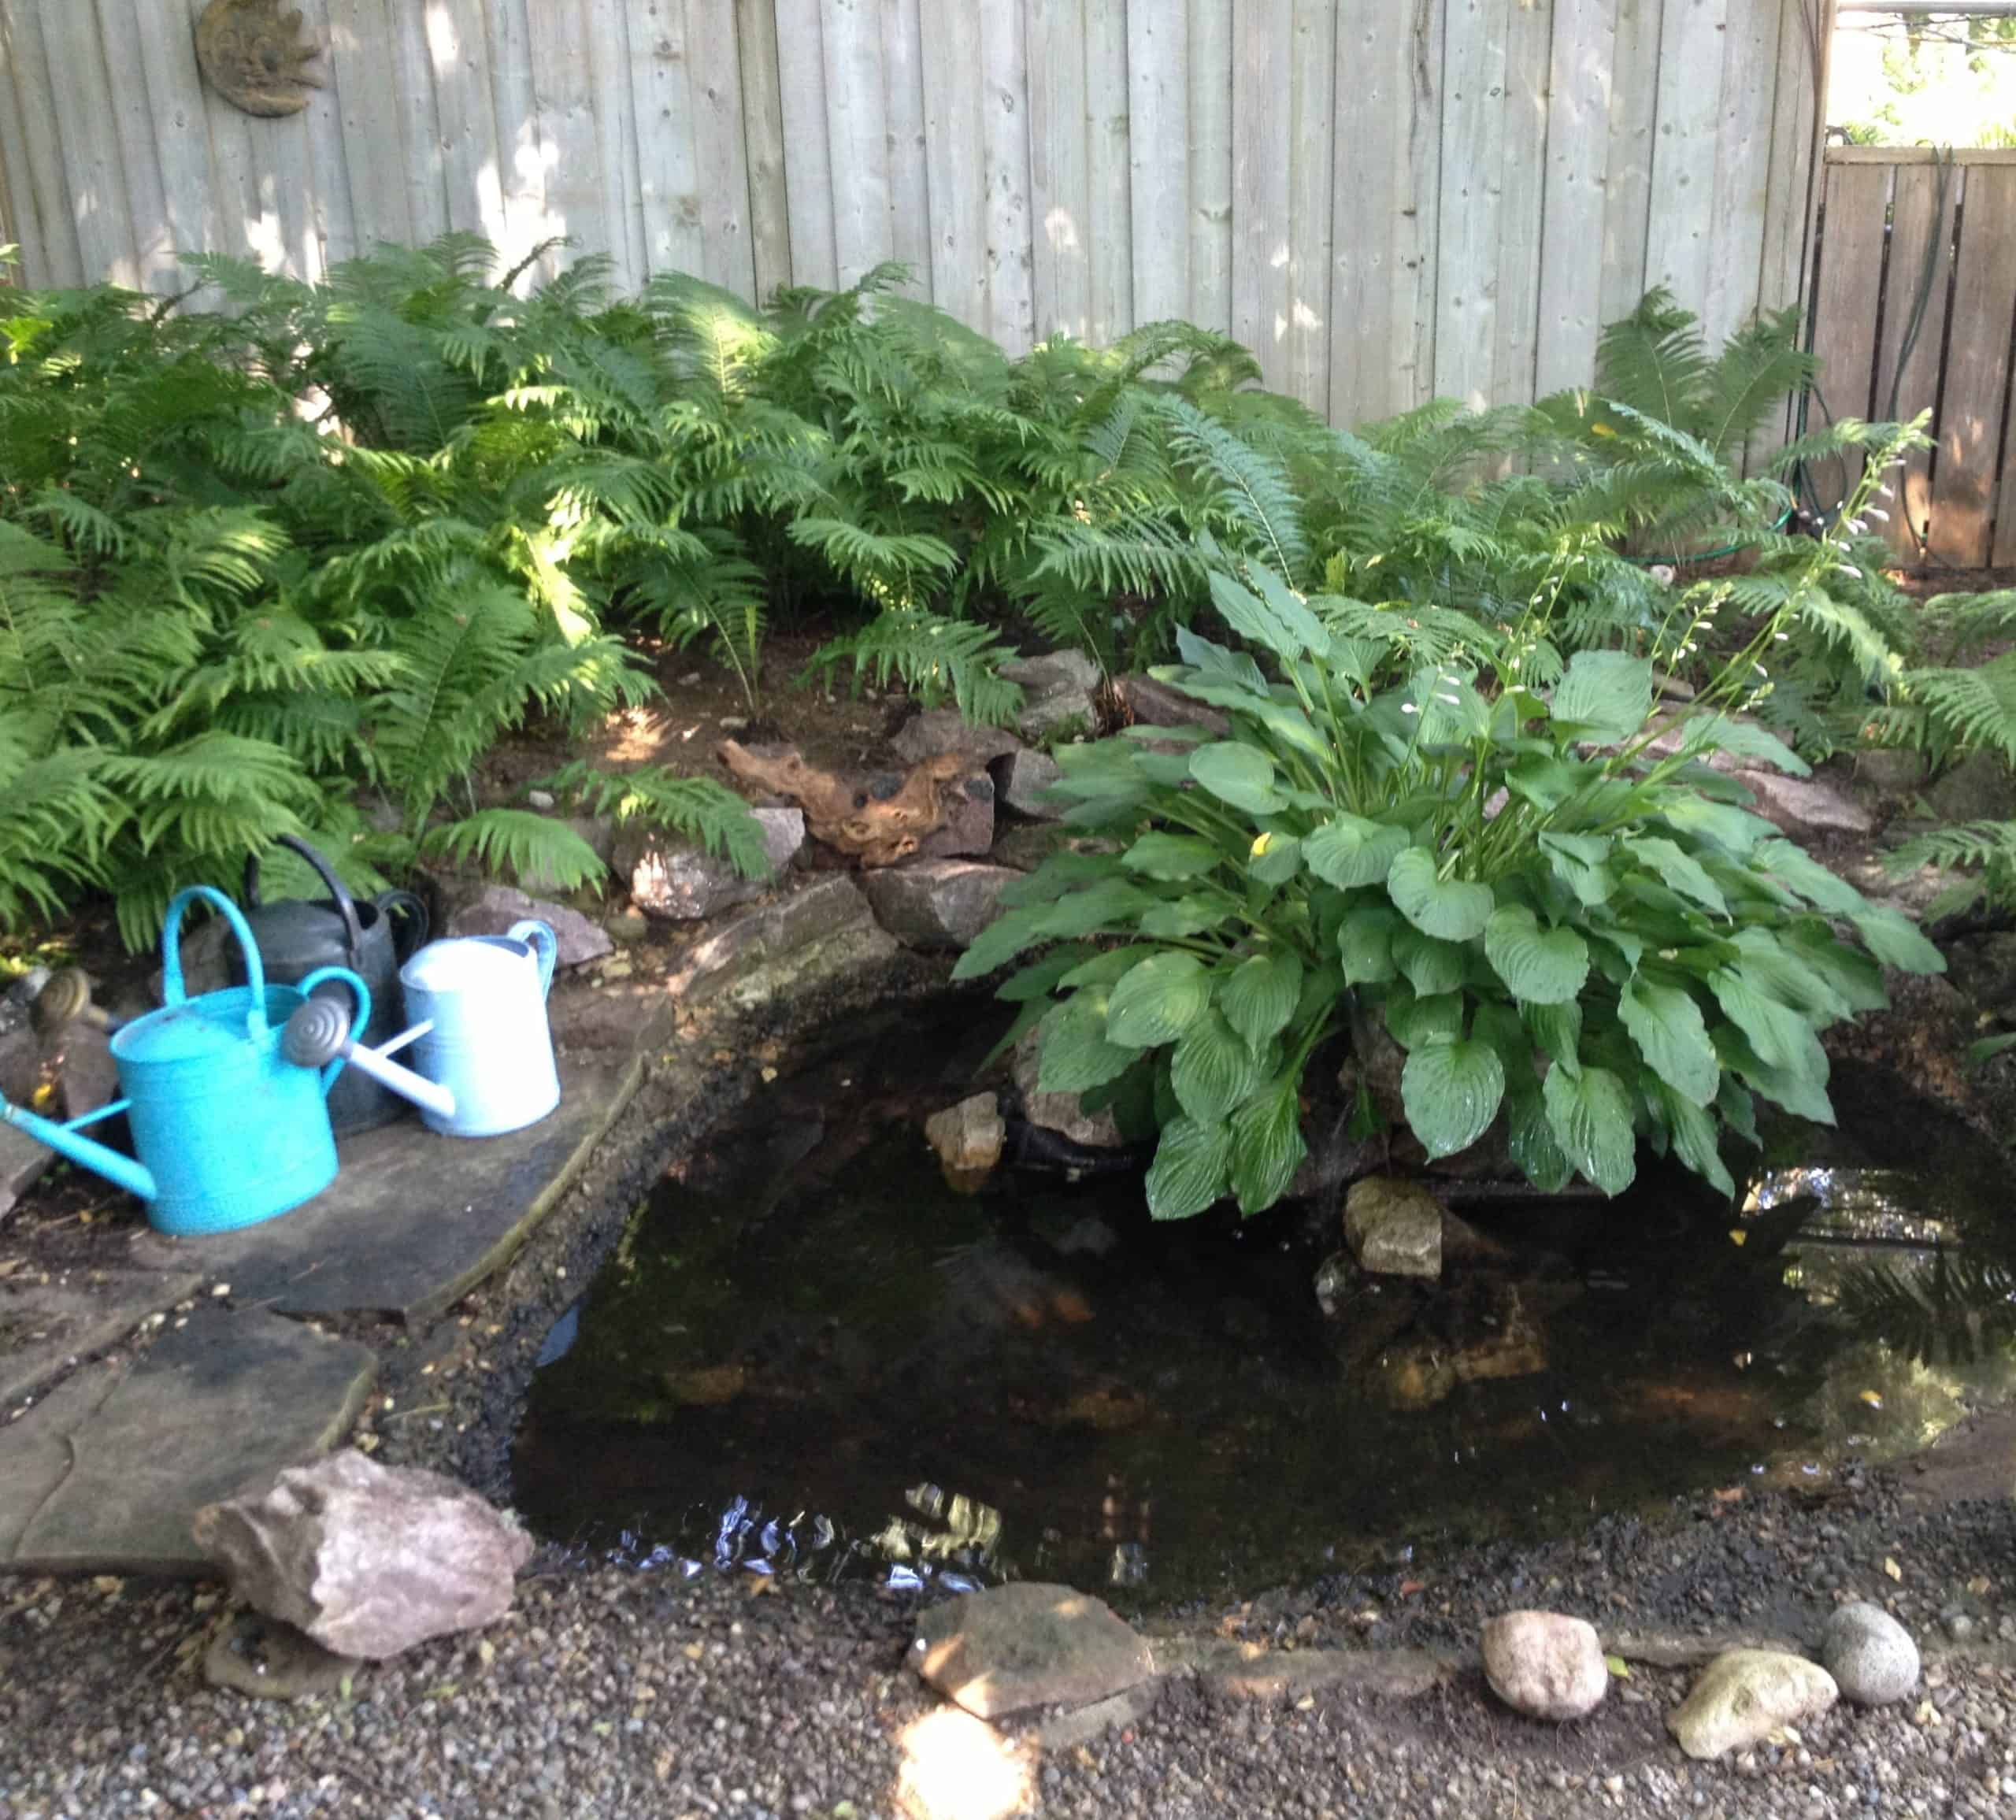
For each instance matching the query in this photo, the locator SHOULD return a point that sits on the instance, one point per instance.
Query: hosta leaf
(1742, 739)
(1280, 621)
(1213, 1069)
(1038, 978)
(1171, 857)
(1590, 1114)
(1606, 696)
(1695, 1136)
(1274, 859)
(1365, 940)
(1267, 1147)
(1189, 1173)
(1258, 996)
(1450, 908)
(1076, 1053)
(1895, 940)
(1157, 1000)
(1800, 871)
(1782, 1038)
(1184, 916)
(1804, 1095)
(1577, 860)
(1855, 979)
(1103, 967)
(1728, 826)
(1533, 1146)
(1666, 1024)
(1002, 940)
(1450, 1093)
(1110, 903)
(1557, 1033)
(1430, 965)
(1242, 776)
(1349, 851)
(1541, 966)
(1680, 870)
(1413, 1022)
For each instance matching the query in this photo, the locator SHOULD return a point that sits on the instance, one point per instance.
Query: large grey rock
(1057, 692)
(1544, 1665)
(683, 883)
(1022, 782)
(1155, 704)
(367, 1560)
(1805, 807)
(1744, 1696)
(968, 832)
(107, 1471)
(1394, 1227)
(1027, 1645)
(493, 909)
(793, 946)
(967, 1138)
(1059, 1112)
(598, 832)
(1979, 788)
(945, 730)
(20, 1053)
(937, 904)
(1870, 1655)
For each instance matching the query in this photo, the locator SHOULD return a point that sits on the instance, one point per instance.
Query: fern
(521, 842)
(933, 656)
(699, 808)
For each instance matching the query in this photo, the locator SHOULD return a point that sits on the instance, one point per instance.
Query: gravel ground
(616, 1694)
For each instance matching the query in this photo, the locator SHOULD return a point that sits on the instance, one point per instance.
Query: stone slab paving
(412, 1221)
(106, 1472)
(44, 1326)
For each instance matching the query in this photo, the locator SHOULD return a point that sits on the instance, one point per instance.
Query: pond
(810, 1356)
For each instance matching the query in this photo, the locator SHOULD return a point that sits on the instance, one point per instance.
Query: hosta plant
(1553, 902)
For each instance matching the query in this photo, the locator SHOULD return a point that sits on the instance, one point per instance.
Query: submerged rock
(1027, 1645)
(1744, 1696)
(1394, 1227)
(1544, 1665)
(367, 1560)
(1870, 1655)
(967, 1138)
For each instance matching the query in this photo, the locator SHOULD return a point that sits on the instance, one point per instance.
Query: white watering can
(479, 1003)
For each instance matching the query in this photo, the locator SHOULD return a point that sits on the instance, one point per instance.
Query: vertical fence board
(1059, 177)
(1004, 142)
(1209, 102)
(607, 24)
(139, 160)
(763, 126)
(808, 160)
(331, 219)
(514, 107)
(1522, 202)
(1743, 167)
(563, 100)
(857, 134)
(1262, 124)
(1311, 96)
(369, 120)
(1158, 146)
(181, 132)
(669, 164)
(909, 195)
(1795, 175)
(458, 51)
(1851, 275)
(1976, 383)
(1472, 175)
(1109, 174)
(1627, 165)
(98, 198)
(40, 180)
(419, 127)
(1387, 155)
(1921, 208)
(1582, 57)
(1690, 87)
(956, 159)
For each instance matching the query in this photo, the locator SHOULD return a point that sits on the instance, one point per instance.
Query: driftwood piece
(843, 811)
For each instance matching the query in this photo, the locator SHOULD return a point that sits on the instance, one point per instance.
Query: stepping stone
(43, 1327)
(1027, 1645)
(413, 1221)
(107, 1472)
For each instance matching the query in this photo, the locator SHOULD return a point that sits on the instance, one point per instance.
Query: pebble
(1870, 1655)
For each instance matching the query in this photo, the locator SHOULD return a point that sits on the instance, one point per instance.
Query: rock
(1806, 806)
(87, 1078)
(598, 831)
(1744, 1696)
(968, 831)
(1394, 1227)
(493, 908)
(367, 1560)
(206, 967)
(1026, 846)
(944, 730)
(1544, 1665)
(1027, 1645)
(22, 1162)
(20, 1053)
(540, 799)
(269, 1660)
(1890, 770)
(967, 1138)
(682, 883)
(1153, 704)
(1336, 1277)
(1870, 1655)
(1057, 691)
(1059, 1112)
(937, 904)
(1979, 788)
(792, 945)
(626, 926)
(1022, 784)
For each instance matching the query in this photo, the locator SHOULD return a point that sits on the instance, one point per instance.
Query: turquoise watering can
(227, 1130)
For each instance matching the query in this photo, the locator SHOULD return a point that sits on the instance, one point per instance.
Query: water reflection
(810, 1359)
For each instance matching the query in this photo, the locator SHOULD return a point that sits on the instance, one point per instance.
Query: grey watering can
(227, 1130)
(371, 937)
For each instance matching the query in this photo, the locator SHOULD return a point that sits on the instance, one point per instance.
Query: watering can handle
(345, 903)
(359, 1017)
(172, 992)
(544, 945)
(408, 915)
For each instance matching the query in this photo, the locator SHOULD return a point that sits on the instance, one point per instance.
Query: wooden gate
(1915, 309)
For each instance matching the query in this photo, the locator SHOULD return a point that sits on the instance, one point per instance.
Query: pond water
(809, 1355)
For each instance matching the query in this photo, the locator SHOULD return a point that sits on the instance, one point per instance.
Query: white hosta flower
(1849, 568)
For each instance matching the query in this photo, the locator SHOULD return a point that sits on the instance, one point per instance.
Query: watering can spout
(88, 1153)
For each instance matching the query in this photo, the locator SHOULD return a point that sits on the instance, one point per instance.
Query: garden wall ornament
(256, 56)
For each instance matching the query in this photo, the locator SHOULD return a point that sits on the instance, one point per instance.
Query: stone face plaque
(256, 56)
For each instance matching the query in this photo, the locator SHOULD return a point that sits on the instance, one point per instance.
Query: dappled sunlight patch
(956, 1767)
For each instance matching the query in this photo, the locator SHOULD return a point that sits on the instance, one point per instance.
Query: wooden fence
(1387, 199)
(1915, 309)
